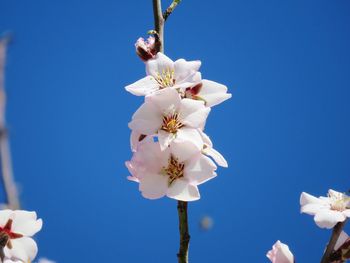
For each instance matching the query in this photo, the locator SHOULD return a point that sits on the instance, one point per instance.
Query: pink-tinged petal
(165, 139)
(190, 81)
(306, 198)
(158, 65)
(166, 101)
(4, 216)
(146, 120)
(328, 218)
(26, 223)
(280, 253)
(218, 158)
(24, 249)
(143, 87)
(346, 212)
(213, 93)
(343, 237)
(193, 113)
(199, 169)
(183, 191)
(312, 209)
(183, 68)
(153, 185)
(187, 143)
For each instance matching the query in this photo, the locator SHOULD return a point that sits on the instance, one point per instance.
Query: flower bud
(146, 49)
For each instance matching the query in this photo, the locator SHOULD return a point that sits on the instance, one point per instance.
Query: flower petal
(187, 143)
(24, 249)
(312, 209)
(153, 185)
(184, 69)
(193, 113)
(159, 64)
(328, 218)
(26, 223)
(4, 216)
(306, 198)
(218, 158)
(213, 93)
(166, 101)
(143, 87)
(183, 191)
(341, 240)
(146, 120)
(200, 169)
(165, 139)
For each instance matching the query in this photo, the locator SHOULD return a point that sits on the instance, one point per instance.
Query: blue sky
(285, 130)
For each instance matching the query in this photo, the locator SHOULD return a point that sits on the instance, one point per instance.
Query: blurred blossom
(206, 222)
(45, 260)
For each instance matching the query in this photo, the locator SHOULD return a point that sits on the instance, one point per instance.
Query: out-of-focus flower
(161, 173)
(163, 73)
(206, 223)
(45, 260)
(146, 49)
(16, 229)
(176, 121)
(327, 211)
(212, 93)
(280, 253)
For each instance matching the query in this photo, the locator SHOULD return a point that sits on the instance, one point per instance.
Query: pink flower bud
(146, 49)
(280, 253)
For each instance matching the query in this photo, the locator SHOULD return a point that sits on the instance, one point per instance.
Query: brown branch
(333, 240)
(6, 163)
(170, 9)
(182, 256)
(159, 24)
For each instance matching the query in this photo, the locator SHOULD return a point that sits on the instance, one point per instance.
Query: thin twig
(170, 9)
(6, 163)
(333, 240)
(159, 23)
(182, 256)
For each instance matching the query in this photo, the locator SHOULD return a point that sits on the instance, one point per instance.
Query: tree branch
(182, 256)
(333, 240)
(170, 9)
(159, 24)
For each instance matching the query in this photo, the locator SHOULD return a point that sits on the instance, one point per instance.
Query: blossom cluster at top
(170, 149)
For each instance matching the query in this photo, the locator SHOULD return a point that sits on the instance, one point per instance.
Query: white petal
(193, 113)
(135, 139)
(187, 143)
(206, 139)
(25, 223)
(346, 212)
(159, 64)
(306, 198)
(200, 169)
(143, 87)
(4, 216)
(150, 156)
(23, 248)
(218, 158)
(312, 209)
(341, 240)
(183, 68)
(328, 218)
(165, 139)
(153, 185)
(213, 93)
(183, 191)
(190, 81)
(146, 120)
(166, 100)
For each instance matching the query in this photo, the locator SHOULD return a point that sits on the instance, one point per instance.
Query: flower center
(166, 78)
(6, 234)
(339, 201)
(171, 123)
(175, 169)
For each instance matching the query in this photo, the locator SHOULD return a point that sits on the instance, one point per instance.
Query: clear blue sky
(285, 130)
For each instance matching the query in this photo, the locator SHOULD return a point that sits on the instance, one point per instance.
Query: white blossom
(327, 211)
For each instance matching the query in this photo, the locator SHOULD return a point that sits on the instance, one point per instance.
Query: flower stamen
(171, 123)
(175, 169)
(166, 78)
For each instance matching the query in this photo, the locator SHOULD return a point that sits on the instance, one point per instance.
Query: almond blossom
(175, 121)
(16, 228)
(280, 253)
(327, 211)
(165, 173)
(145, 49)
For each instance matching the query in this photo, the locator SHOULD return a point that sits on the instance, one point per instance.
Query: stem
(170, 9)
(333, 240)
(159, 23)
(6, 163)
(182, 256)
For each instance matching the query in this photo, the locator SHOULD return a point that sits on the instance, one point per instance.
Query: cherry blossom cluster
(171, 153)
(327, 211)
(16, 230)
